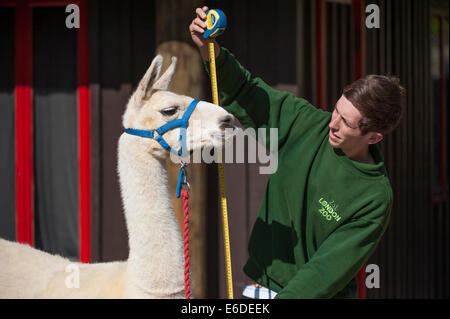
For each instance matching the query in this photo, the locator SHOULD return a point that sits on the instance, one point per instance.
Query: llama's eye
(169, 111)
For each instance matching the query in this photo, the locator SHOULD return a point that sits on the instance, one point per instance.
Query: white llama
(155, 267)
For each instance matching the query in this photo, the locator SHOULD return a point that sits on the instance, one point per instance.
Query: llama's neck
(155, 261)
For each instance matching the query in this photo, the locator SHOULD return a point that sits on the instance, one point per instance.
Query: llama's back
(102, 280)
(26, 272)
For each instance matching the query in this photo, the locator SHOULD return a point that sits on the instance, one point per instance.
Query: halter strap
(181, 123)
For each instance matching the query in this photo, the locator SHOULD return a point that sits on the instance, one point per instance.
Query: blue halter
(182, 124)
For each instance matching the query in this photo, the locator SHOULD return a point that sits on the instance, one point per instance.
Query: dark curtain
(55, 132)
(122, 41)
(262, 36)
(7, 167)
(411, 254)
(340, 53)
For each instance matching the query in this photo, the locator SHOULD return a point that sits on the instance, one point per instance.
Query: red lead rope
(187, 280)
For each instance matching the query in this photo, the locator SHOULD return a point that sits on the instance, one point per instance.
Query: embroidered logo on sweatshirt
(329, 210)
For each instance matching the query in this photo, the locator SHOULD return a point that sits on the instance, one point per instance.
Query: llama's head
(152, 106)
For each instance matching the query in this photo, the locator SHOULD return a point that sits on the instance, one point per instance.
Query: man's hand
(197, 28)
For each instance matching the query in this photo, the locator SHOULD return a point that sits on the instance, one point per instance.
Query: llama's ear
(146, 86)
(164, 81)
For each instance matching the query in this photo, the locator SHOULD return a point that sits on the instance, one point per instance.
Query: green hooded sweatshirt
(322, 214)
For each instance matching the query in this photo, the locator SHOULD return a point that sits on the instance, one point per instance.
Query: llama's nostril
(226, 122)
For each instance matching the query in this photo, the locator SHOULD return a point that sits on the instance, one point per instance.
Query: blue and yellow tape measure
(216, 22)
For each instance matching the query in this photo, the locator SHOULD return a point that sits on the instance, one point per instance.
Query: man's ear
(375, 137)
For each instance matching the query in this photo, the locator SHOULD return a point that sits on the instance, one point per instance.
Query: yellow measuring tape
(223, 199)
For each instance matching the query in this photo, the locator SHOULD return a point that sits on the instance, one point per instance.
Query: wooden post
(173, 39)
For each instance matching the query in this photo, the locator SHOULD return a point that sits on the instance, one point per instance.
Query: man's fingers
(200, 13)
(196, 28)
(200, 22)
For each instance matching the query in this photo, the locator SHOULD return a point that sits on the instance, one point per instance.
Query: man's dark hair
(380, 99)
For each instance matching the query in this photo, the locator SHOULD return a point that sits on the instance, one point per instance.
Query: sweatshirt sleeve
(254, 103)
(336, 262)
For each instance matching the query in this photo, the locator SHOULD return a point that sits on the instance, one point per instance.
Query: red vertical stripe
(24, 125)
(361, 280)
(84, 142)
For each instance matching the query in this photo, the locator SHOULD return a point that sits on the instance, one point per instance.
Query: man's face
(344, 128)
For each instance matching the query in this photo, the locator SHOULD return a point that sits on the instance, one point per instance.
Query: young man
(327, 206)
